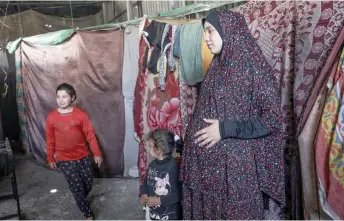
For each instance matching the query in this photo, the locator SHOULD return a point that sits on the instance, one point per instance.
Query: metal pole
(113, 10)
(196, 14)
(104, 9)
(129, 10)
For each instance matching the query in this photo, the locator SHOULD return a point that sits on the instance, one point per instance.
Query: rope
(5, 84)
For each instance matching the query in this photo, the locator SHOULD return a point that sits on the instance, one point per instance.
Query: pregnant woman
(233, 157)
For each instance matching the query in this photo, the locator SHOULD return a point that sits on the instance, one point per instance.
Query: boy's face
(63, 99)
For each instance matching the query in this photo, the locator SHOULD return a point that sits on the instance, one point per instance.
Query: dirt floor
(110, 198)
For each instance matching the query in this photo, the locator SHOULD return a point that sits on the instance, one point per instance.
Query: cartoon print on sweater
(161, 185)
(162, 181)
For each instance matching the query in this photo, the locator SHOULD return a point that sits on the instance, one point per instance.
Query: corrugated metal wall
(120, 6)
(225, 7)
(156, 7)
(149, 7)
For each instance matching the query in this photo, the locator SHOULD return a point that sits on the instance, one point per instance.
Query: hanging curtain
(296, 38)
(98, 83)
(307, 153)
(309, 123)
(329, 147)
(129, 76)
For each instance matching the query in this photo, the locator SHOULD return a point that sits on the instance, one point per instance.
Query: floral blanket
(154, 108)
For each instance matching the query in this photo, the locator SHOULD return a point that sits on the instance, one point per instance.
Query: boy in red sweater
(66, 130)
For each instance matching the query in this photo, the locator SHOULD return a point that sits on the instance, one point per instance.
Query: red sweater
(65, 136)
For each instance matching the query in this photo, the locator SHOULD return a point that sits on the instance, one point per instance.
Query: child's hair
(68, 88)
(163, 140)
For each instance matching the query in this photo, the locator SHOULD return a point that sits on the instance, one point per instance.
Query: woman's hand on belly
(210, 135)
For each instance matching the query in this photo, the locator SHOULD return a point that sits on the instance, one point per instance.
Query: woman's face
(212, 38)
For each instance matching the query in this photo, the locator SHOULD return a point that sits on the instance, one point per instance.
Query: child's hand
(153, 201)
(99, 161)
(143, 198)
(52, 165)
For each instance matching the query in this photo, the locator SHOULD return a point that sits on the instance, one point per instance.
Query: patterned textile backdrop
(296, 38)
(154, 108)
(329, 147)
(188, 97)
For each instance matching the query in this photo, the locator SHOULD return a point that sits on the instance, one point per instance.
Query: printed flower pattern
(317, 47)
(326, 14)
(319, 31)
(167, 116)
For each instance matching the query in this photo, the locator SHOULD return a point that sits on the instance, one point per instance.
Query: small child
(161, 190)
(66, 129)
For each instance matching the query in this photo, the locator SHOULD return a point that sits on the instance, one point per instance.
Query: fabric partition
(129, 76)
(329, 147)
(321, 80)
(296, 37)
(310, 122)
(308, 170)
(97, 80)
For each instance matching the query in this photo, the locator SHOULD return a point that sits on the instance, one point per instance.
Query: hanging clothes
(153, 35)
(191, 53)
(307, 153)
(154, 108)
(309, 123)
(176, 45)
(162, 63)
(171, 58)
(329, 147)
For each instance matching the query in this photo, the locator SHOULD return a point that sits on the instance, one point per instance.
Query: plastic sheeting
(30, 23)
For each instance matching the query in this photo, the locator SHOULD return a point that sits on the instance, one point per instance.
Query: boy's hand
(153, 201)
(98, 160)
(52, 165)
(143, 198)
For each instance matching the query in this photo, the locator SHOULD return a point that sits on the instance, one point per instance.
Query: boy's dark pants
(79, 176)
